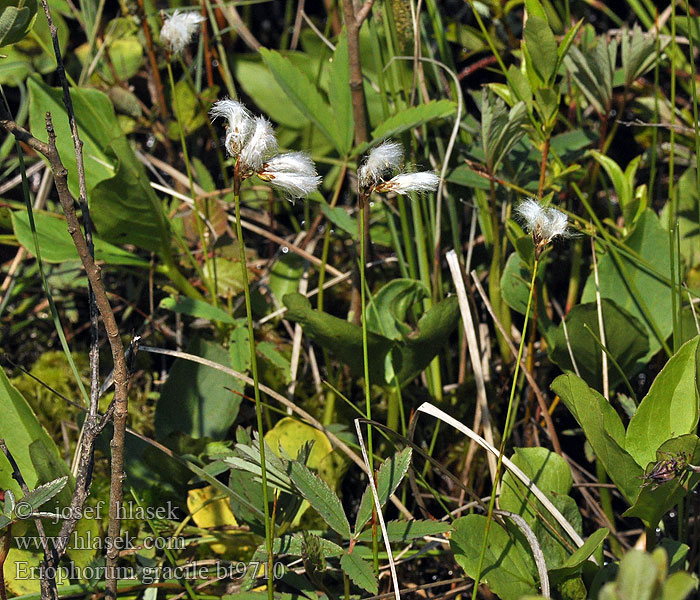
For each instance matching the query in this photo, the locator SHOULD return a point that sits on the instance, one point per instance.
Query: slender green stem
(365, 360)
(210, 279)
(506, 429)
(256, 388)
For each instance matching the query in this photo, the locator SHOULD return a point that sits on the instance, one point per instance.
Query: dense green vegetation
(309, 223)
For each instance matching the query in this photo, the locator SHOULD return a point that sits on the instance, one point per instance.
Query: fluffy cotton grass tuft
(261, 144)
(252, 143)
(294, 174)
(425, 181)
(178, 30)
(385, 158)
(544, 222)
(239, 123)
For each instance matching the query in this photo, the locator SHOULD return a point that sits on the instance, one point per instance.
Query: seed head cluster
(252, 143)
(384, 161)
(178, 30)
(543, 222)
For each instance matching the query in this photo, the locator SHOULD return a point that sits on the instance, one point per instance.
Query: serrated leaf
(501, 129)
(541, 48)
(402, 531)
(43, 493)
(360, 571)
(304, 95)
(321, 497)
(412, 117)
(389, 477)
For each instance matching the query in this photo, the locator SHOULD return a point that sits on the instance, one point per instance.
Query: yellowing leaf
(208, 511)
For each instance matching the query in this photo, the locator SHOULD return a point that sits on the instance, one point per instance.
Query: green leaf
(339, 337)
(501, 129)
(360, 571)
(574, 562)
(625, 337)
(239, 346)
(638, 53)
(195, 308)
(189, 109)
(386, 312)
(43, 493)
(551, 474)
(322, 498)
(389, 477)
(541, 48)
(31, 446)
(97, 127)
(340, 217)
(670, 409)
(604, 431)
(623, 183)
(285, 274)
(419, 347)
(409, 118)
(57, 245)
(194, 399)
(304, 95)
(403, 531)
(339, 94)
(653, 502)
(535, 9)
(639, 287)
(291, 545)
(409, 356)
(508, 570)
(593, 72)
(679, 586)
(566, 42)
(16, 20)
(515, 287)
(125, 208)
(258, 82)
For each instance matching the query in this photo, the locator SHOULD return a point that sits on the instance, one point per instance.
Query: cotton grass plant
(383, 161)
(251, 143)
(544, 223)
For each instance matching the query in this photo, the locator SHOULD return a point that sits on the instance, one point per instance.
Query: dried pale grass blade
(470, 331)
(378, 507)
(433, 411)
(537, 553)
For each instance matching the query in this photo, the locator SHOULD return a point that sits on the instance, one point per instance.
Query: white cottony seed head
(293, 173)
(252, 142)
(239, 123)
(178, 30)
(425, 181)
(543, 222)
(261, 144)
(383, 159)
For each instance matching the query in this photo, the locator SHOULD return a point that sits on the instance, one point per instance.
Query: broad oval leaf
(670, 409)
(508, 569)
